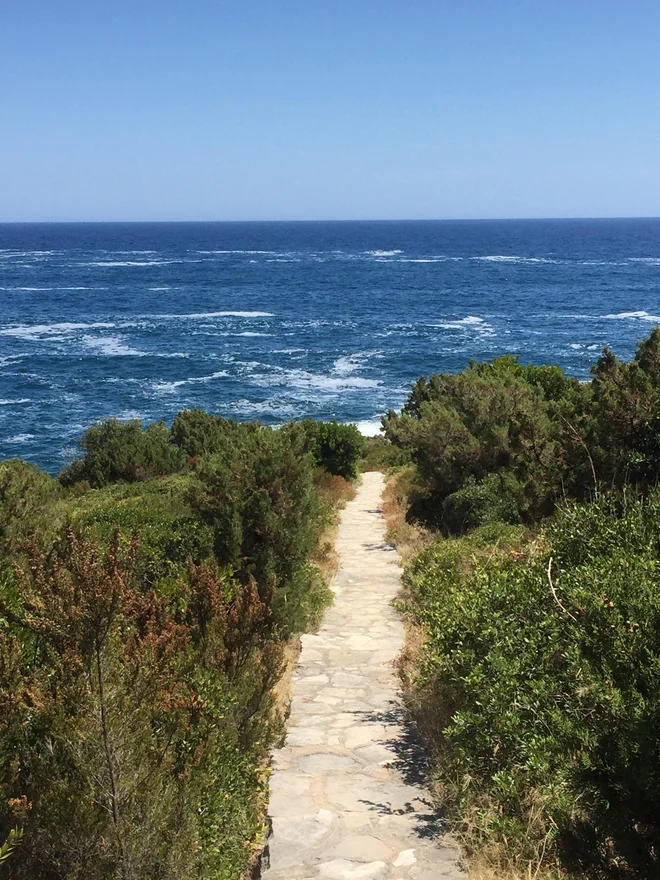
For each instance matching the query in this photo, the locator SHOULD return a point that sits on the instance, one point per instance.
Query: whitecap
(197, 315)
(36, 332)
(11, 402)
(369, 427)
(20, 438)
(170, 387)
(649, 261)
(642, 315)
(378, 253)
(111, 346)
(471, 322)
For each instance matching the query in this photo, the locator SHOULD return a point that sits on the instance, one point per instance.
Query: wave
(369, 427)
(20, 438)
(649, 261)
(111, 346)
(12, 402)
(642, 315)
(266, 253)
(40, 331)
(347, 364)
(113, 263)
(302, 379)
(471, 322)
(197, 315)
(506, 258)
(250, 333)
(171, 387)
(377, 253)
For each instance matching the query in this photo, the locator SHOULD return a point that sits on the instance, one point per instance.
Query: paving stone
(339, 805)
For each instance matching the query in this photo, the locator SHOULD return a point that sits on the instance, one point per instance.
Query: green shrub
(335, 447)
(259, 498)
(123, 451)
(380, 454)
(198, 433)
(539, 687)
(495, 498)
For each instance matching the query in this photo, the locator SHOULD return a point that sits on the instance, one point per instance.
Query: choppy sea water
(285, 320)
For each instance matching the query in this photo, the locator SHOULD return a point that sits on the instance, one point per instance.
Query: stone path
(346, 794)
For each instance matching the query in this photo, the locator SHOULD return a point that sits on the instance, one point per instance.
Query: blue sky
(328, 109)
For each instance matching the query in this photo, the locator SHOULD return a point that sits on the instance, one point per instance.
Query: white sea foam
(305, 380)
(111, 346)
(471, 322)
(197, 315)
(112, 263)
(20, 438)
(506, 258)
(641, 315)
(370, 427)
(649, 261)
(266, 253)
(377, 253)
(171, 387)
(62, 330)
(350, 363)
(11, 402)
(250, 333)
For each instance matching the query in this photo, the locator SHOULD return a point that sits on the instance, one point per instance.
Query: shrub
(133, 721)
(495, 498)
(123, 451)
(198, 433)
(259, 498)
(335, 447)
(539, 686)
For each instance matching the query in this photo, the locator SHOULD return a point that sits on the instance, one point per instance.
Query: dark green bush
(198, 433)
(335, 447)
(495, 498)
(123, 451)
(542, 683)
(259, 498)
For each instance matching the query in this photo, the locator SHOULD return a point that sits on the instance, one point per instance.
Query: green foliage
(133, 720)
(259, 498)
(380, 454)
(198, 433)
(25, 493)
(540, 683)
(335, 447)
(495, 498)
(123, 451)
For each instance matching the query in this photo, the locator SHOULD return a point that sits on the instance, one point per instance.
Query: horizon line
(337, 220)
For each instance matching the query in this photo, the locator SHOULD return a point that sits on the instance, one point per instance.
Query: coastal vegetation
(530, 517)
(149, 598)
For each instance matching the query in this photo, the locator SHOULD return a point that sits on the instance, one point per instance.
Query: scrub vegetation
(149, 597)
(533, 667)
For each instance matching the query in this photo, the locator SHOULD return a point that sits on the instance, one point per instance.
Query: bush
(123, 451)
(337, 448)
(380, 454)
(539, 686)
(496, 498)
(259, 498)
(133, 721)
(198, 433)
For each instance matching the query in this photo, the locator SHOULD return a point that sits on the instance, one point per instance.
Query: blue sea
(276, 321)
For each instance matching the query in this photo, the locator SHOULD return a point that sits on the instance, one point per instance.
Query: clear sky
(328, 109)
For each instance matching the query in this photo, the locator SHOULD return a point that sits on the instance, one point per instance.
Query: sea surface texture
(275, 321)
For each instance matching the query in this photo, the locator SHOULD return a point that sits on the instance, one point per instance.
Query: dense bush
(198, 433)
(551, 437)
(539, 686)
(132, 719)
(123, 451)
(335, 447)
(259, 498)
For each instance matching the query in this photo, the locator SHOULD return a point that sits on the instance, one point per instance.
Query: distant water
(284, 320)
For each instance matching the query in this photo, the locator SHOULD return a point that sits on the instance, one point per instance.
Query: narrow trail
(347, 800)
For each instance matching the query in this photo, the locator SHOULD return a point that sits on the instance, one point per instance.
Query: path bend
(347, 800)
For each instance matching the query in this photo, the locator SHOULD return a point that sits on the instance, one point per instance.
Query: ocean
(278, 321)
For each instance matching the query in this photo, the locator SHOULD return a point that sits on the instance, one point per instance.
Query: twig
(554, 592)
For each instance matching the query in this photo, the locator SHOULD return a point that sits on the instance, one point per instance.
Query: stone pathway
(346, 794)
